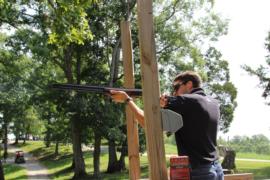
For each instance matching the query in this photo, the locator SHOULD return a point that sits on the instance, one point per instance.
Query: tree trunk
(78, 161)
(24, 139)
(73, 163)
(124, 152)
(121, 162)
(112, 164)
(16, 140)
(96, 158)
(56, 151)
(79, 169)
(68, 64)
(5, 140)
(2, 177)
(115, 63)
(48, 134)
(47, 142)
(229, 160)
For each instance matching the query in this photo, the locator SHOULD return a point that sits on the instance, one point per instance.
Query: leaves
(185, 35)
(74, 41)
(262, 72)
(68, 22)
(258, 144)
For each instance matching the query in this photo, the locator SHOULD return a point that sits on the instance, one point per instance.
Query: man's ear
(189, 85)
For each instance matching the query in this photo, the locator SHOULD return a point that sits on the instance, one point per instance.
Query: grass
(170, 149)
(252, 156)
(13, 172)
(59, 167)
(260, 170)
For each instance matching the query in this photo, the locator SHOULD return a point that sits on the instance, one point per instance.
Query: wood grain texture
(245, 176)
(132, 126)
(151, 92)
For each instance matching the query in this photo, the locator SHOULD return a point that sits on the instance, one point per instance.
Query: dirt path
(34, 169)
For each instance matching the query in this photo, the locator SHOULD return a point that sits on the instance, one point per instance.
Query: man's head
(183, 83)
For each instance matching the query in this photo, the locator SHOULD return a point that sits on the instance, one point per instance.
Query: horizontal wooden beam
(245, 176)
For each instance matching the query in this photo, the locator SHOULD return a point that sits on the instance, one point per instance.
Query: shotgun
(171, 121)
(95, 89)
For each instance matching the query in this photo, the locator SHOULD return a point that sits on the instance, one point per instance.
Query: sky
(244, 44)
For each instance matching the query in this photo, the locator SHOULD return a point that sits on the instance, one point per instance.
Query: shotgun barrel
(95, 89)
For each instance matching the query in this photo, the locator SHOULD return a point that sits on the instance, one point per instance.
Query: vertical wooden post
(151, 92)
(132, 126)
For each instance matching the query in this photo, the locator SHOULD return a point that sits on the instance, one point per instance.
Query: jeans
(212, 171)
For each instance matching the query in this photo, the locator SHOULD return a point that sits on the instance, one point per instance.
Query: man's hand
(119, 96)
(163, 101)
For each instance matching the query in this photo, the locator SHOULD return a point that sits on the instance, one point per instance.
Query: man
(197, 137)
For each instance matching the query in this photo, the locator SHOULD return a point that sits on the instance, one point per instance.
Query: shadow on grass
(13, 172)
(60, 166)
(63, 171)
(262, 173)
(123, 174)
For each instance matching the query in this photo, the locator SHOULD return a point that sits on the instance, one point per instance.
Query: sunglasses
(177, 86)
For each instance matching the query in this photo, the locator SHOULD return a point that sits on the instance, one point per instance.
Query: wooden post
(132, 126)
(151, 92)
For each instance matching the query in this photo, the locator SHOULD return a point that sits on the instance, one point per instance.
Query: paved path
(34, 169)
(253, 160)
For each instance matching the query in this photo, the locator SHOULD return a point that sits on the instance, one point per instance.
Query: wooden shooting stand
(245, 176)
(151, 94)
(132, 126)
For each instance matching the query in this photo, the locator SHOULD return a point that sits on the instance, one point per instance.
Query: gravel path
(34, 169)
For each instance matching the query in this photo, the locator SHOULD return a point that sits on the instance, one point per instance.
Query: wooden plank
(245, 176)
(151, 92)
(132, 126)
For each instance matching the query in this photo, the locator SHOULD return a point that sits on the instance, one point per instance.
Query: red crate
(179, 168)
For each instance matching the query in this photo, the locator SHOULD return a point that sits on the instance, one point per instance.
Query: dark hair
(189, 76)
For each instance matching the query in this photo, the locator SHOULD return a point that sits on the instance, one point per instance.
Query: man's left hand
(119, 96)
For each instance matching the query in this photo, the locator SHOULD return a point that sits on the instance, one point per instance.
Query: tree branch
(172, 13)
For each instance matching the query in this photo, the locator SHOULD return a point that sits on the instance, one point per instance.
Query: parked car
(19, 157)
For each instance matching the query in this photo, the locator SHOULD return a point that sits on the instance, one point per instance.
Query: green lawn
(13, 172)
(59, 167)
(170, 149)
(253, 156)
(260, 170)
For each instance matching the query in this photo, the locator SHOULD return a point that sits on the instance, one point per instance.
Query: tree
(60, 26)
(179, 47)
(258, 144)
(79, 42)
(186, 32)
(2, 177)
(14, 98)
(219, 85)
(263, 72)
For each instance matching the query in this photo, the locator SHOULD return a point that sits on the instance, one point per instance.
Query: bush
(259, 144)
